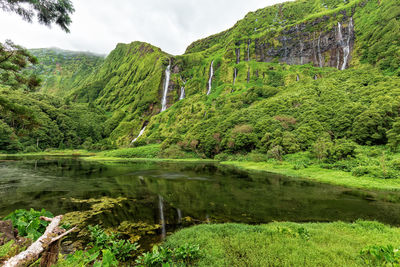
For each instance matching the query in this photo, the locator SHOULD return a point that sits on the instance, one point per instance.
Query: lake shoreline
(312, 172)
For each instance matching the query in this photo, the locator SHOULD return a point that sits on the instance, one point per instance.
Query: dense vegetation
(61, 71)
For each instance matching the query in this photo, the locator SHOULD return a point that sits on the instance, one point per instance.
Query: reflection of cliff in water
(190, 193)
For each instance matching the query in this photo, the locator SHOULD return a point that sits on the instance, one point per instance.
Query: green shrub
(164, 256)
(257, 156)
(395, 164)
(379, 255)
(149, 151)
(102, 241)
(31, 149)
(342, 149)
(29, 223)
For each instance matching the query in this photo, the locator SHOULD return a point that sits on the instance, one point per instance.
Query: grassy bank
(318, 174)
(49, 153)
(290, 244)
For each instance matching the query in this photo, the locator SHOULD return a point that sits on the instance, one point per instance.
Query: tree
(13, 60)
(393, 136)
(46, 11)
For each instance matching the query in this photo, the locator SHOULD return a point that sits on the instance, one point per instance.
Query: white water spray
(234, 76)
(319, 52)
(162, 220)
(179, 215)
(140, 134)
(166, 84)
(183, 94)
(248, 50)
(211, 76)
(346, 46)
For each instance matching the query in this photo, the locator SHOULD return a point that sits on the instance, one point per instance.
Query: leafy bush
(29, 223)
(395, 164)
(102, 241)
(164, 256)
(149, 151)
(379, 255)
(342, 149)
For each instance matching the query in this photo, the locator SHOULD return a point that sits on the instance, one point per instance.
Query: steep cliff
(282, 77)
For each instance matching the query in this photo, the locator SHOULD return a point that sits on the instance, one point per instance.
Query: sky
(98, 25)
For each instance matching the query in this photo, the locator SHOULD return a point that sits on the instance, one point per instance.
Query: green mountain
(284, 79)
(61, 70)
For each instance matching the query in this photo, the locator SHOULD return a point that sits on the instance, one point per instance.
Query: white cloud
(98, 25)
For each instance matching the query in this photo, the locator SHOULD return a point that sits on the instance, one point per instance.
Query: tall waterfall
(319, 52)
(211, 76)
(140, 134)
(179, 215)
(162, 219)
(346, 46)
(183, 94)
(234, 76)
(301, 53)
(248, 49)
(166, 84)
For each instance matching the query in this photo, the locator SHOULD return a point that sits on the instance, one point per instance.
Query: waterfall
(340, 44)
(179, 215)
(319, 52)
(140, 134)
(166, 84)
(211, 76)
(346, 46)
(248, 49)
(237, 52)
(162, 220)
(234, 76)
(297, 78)
(182, 96)
(301, 53)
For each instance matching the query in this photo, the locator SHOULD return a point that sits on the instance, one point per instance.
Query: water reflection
(159, 193)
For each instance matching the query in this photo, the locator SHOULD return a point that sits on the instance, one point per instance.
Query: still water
(175, 195)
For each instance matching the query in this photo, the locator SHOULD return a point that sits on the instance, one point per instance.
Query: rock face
(298, 45)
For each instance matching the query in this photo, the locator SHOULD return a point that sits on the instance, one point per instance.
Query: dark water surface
(175, 195)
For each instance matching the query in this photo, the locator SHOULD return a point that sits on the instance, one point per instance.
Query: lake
(158, 198)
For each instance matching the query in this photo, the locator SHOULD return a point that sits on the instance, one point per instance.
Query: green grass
(63, 152)
(286, 244)
(149, 151)
(116, 159)
(319, 174)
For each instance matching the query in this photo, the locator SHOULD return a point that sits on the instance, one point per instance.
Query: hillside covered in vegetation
(319, 76)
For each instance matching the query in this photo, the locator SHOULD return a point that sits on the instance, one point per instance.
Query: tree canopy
(46, 11)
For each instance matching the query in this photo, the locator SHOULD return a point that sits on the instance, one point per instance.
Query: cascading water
(162, 220)
(301, 53)
(248, 50)
(346, 46)
(140, 134)
(237, 52)
(319, 52)
(211, 76)
(179, 215)
(340, 43)
(182, 96)
(166, 85)
(234, 76)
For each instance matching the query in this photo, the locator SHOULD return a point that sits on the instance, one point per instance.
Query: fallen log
(52, 234)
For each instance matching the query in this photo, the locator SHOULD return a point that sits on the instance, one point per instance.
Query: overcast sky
(98, 25)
